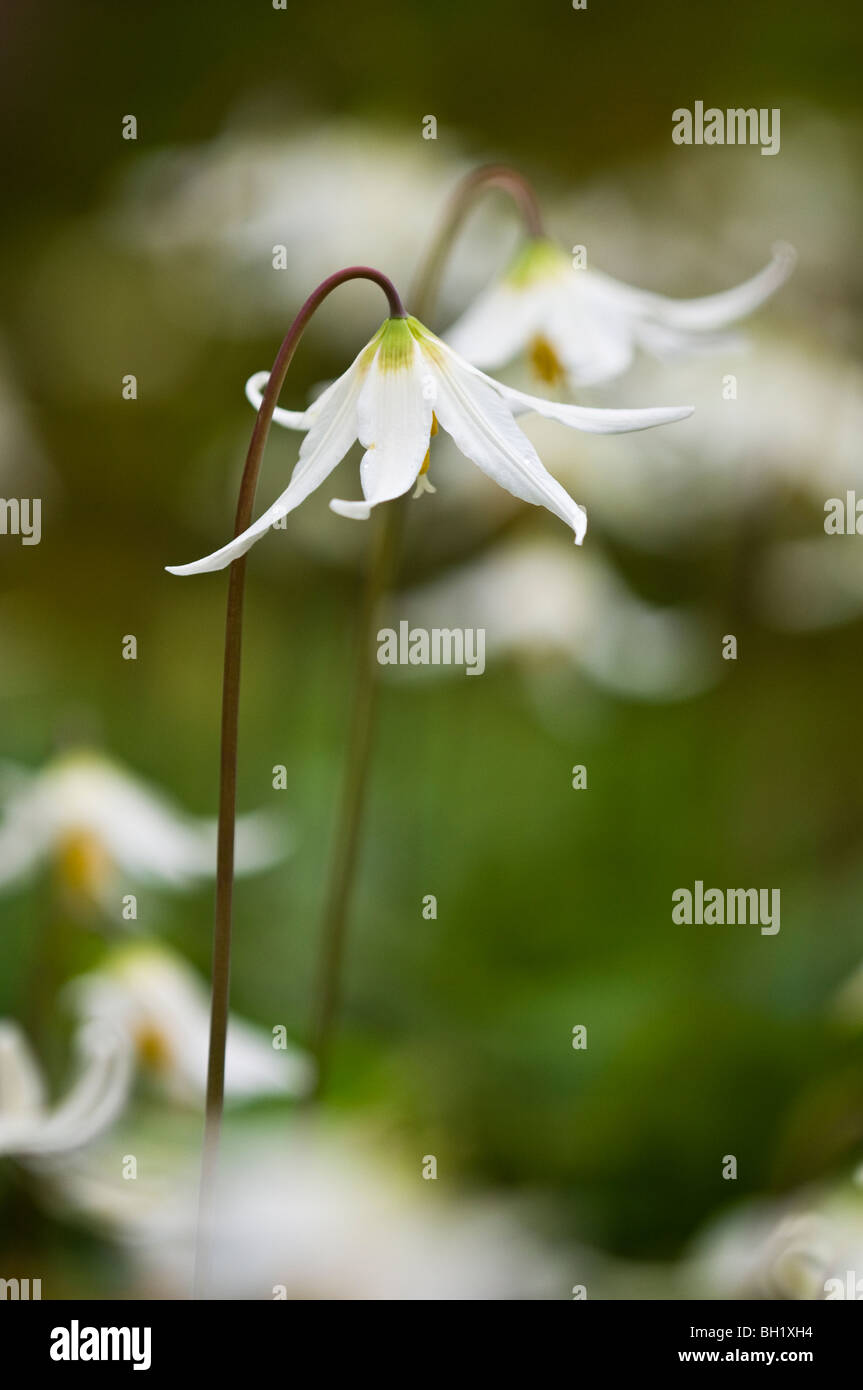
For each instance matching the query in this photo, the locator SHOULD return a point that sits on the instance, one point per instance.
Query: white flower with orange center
(104, 830)
(580, 326)
(403, 385)
(150, 995)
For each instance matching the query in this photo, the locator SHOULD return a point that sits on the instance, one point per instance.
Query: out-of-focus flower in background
(317, 1211)
(98, 824)
(150, 995)
(809, 584)
(790, 428)
(580, 326)
(29, 1127)
(222, 206)
(534, 602)
(783, 1249)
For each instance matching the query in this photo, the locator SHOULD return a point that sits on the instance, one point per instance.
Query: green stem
(221, 977)
(353, 796)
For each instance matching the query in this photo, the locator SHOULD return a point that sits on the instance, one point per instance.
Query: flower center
(83, 862)
(153, 1048)
(545, 362)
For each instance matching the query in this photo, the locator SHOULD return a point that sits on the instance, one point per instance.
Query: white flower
(401, 386)
(98, 823)
(785, 1250)
(155, 999)
(316, 1212)
(29, 1128)
(581, 326)
(530, 601)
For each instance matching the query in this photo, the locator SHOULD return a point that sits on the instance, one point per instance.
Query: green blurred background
(553, 905)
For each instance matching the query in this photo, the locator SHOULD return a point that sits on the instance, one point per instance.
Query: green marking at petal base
(396, 349)
(537, 260)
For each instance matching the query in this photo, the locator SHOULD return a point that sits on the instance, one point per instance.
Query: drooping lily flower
(98, 824)
(150, 995)
(580, 326)
(29, 1127)
(404, 384)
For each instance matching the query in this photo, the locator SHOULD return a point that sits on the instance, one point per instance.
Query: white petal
(710, 312)
(93, 1103)
(499, 324)
(394, 414)
(471, 409)
(328, 440)
(98, 1095)
(148, 992)
(22, 1092)
(593, 420)
(593, 345)
(291, 419)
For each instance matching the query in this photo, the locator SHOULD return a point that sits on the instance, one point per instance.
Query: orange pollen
(83, 862)
(432, 433)
(153, 1047)
(545, 362)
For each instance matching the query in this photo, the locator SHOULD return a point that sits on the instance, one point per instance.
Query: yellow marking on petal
(545, 362)
(83, 863)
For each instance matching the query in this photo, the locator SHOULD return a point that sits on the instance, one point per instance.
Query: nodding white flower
(151, 996)
(404, 384)
(98, 823)
(29, 1127)
(581, 326)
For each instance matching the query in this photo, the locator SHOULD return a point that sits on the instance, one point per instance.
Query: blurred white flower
(791, 426)
(580, 326)
(810, 584)
(319, 1213)
(532, 601)
(154, 998)
(231, 200)
(392, 396)
(29, 1127)
(98, 824)
(781, 1250)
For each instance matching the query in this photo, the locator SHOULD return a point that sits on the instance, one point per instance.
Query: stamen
(545, 362)
(423, 484)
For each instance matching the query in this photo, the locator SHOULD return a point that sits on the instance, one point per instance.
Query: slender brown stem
(471, 188)
(353, 795)
(228, 758)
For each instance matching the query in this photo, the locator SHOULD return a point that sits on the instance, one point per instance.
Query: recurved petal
(331, 435)
(593, 420)
(96, 1098)
(472, 410)
(22, 1093)
(711, 311)
(291, 419)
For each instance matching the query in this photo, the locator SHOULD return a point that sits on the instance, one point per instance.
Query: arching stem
(221, 977)
(472, 187)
